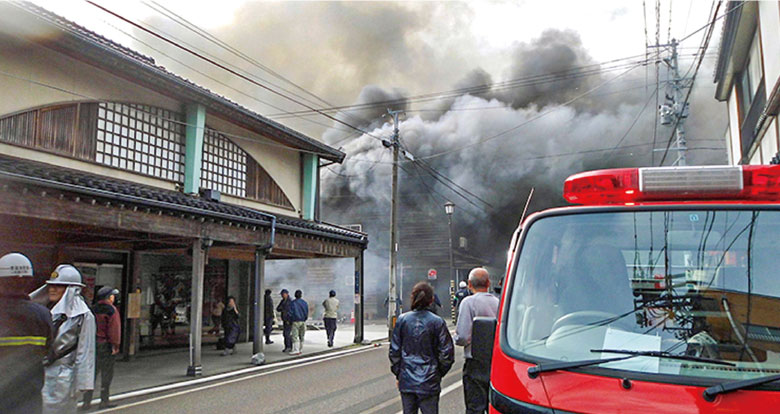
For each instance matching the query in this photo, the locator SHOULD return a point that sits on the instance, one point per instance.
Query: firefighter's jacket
(25, 331)
(71, 361)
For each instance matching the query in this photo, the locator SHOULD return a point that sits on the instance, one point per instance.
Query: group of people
(51, 354)
(422, 350)
(294, 313)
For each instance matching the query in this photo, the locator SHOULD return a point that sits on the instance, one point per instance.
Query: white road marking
(397, 399)
(269, 369)
(444, 392)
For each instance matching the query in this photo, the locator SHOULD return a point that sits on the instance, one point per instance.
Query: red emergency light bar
(632, 185)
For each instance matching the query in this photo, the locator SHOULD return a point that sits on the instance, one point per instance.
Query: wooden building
(149, 182)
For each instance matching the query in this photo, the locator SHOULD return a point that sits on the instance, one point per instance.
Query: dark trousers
(476, 380)
(426, 404)
(269, 327)
(286, 332)
(104, 364)
(330, 329)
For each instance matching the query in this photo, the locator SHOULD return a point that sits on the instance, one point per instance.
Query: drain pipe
(258, 357)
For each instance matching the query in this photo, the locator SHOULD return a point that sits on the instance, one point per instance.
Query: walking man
(268, 315)
(284, 309)
(109, 335)
(299, 312)
(331, 305)
(476, 375)
(461, 294)
(25, 334)
(70, 365)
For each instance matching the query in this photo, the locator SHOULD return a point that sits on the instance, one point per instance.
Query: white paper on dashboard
(619, 339)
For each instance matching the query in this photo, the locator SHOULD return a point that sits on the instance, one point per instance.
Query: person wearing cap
(284, 309)
(25, 335)
(331, 305)
(70, 364)
(109, 335)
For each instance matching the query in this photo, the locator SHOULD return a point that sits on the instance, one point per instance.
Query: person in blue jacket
(421, 353)
(299, 312)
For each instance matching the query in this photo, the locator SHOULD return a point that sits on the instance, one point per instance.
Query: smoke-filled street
(359, 383)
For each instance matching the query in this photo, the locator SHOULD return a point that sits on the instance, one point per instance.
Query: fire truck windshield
(703, 283)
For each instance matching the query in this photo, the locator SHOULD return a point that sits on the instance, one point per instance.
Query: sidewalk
(170, 366)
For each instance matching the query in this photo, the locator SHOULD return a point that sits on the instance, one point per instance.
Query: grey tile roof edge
(17, 169)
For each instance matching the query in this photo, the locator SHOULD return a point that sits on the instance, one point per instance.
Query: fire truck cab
(658, 291)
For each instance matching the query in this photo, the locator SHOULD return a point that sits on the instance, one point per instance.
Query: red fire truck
(659, 291)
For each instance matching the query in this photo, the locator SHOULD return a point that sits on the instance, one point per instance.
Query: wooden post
(196, 308)
(359, 333)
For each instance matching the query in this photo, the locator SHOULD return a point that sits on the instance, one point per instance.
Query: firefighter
(70, 364)
(109, 335)
(25, 333)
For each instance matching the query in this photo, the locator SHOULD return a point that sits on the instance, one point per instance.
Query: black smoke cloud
(554, 141)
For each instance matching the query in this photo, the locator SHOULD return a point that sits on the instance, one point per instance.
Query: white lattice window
(140, 138)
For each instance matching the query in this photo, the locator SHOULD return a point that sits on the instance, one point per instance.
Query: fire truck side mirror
(483, 332)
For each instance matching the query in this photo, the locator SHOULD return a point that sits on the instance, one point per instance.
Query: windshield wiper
(534, 371)
(664, 354)
(712, 392)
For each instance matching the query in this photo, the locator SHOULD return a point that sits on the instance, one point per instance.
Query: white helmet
(65, 274)
(15, 265)
(463, 284)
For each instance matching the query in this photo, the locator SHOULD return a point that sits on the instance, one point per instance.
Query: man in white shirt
(476, 374)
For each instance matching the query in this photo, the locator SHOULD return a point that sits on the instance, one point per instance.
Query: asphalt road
(357, 383)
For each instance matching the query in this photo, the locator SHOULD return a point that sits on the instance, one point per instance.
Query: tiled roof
(148, 64)
(93, 185)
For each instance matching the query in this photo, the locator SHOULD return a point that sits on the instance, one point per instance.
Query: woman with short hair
(421, 353)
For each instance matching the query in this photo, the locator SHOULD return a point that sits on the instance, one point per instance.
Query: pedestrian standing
(435, 306)
(109, 335)
(230, 325)
(421, 353)
(299, 313)
(330, 317)
(476, 374)
(268, 315)
(25, 334)
(70, 364)
(284, 310)
(217, 307)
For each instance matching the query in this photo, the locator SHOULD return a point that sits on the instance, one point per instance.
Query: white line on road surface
(397, 399)
(267, 370)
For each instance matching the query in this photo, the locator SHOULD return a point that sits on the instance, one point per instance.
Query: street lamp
(449, 208)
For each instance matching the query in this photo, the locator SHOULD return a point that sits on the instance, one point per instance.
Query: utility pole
(675, 111)
(392, 309)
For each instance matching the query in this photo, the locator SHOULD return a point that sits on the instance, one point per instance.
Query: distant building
(147, 181)
(748, 80)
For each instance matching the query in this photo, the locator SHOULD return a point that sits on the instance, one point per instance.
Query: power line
(630, 127)
(236, 52)
(502, 133)
(225, 68)
(530, 80)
